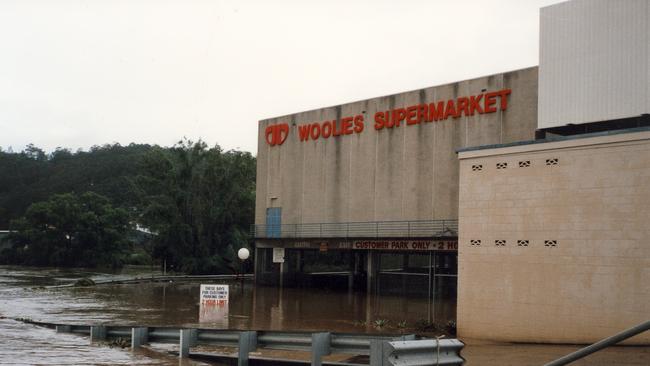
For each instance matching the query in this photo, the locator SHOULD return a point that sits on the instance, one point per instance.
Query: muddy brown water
(24, 294)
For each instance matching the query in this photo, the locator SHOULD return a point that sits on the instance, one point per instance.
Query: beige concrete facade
(408, 172)
(554, 240)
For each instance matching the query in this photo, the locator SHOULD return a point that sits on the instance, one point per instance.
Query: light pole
(243, 254)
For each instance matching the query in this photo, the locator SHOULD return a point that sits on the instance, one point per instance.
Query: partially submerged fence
(381, 350)
(166, 278)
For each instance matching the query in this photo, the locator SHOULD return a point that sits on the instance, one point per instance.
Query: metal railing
(371, 229)
(165, 278)
(381, 349)
(433, 352)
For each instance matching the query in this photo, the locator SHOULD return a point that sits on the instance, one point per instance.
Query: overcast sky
(87, 72)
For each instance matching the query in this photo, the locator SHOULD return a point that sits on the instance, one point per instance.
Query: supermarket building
(520, 198)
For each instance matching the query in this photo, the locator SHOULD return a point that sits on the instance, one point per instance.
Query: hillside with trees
(81, 209)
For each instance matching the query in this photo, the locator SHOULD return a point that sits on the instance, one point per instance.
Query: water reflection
(176, 304)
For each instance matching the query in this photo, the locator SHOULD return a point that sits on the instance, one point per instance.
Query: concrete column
(297, 273)
(371, 265)
(256, 265)
(350, 281)
(353, 261)
(405, 261)
(298, 260)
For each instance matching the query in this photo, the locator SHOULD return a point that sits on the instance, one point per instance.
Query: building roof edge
(554, 139)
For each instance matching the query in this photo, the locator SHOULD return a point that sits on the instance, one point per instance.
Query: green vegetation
(81, 209)
(70, 230)
(380, 323)
(200, 202)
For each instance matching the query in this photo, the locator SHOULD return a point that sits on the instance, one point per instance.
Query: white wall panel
(594, 62)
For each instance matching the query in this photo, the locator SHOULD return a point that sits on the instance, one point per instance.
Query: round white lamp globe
(243, 254)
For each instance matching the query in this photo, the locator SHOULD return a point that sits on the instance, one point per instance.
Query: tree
(32, 176)
(70, 230)
(200, 203)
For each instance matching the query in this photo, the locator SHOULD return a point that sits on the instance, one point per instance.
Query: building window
(476, 168)
(522, 243)
(524, 164)
(502, 165)
(554, 161)
(500, 243)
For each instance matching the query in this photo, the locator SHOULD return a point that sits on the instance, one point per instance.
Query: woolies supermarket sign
(442, 110)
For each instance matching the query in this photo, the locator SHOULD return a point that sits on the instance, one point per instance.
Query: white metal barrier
(383, 350)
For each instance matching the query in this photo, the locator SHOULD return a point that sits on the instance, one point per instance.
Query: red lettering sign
(441, 110)
(276, 134)
(401, 245)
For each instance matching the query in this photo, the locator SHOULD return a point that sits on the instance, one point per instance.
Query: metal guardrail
(165, 278)
(607, 342)
(425, 352)
(382, 349)
(372, 229)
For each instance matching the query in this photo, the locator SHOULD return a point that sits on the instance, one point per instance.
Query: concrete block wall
(584, 272)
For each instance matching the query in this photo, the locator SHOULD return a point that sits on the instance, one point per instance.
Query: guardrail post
(187, 338)
(379, 352)
(97, 333)
(320, 346)
(63, 329)
(139, 337)
(247, 344)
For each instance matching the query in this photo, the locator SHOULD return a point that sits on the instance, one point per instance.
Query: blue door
(273, 222)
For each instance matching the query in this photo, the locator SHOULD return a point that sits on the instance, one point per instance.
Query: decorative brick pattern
(524, 163)
(554, 161)
(502, 165)
(476, 168)
(522, 243)
(500, 243)
(550, 243)
(475, 242)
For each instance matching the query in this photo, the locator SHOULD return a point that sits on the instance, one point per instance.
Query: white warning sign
(278, 255)
(213, 305)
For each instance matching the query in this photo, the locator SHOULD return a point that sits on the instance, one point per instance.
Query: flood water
(24, 293)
